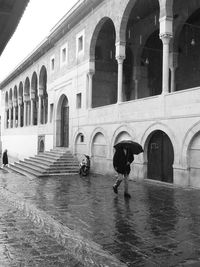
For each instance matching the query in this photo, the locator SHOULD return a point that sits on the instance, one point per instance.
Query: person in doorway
(5, 158)
(121, 161)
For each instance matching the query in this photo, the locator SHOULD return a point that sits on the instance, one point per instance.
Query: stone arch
(95, 36)
(6, 109)
(27, 88)
(102, 53)
(41, 143)
(95, 131)
(139, 32)
(27, 101)
(34, 97)
(186, 32)
(99, 150)
(15, 93)
(190, 155)
(6, 99)
(80, 143)
(34, 85)
(43, 94)
(10, 96)
(21, 105)
(118, 131)
(188, 138)
(126, 15)
(20, 94)
(62, 121)
(164, 128)
(43, 79)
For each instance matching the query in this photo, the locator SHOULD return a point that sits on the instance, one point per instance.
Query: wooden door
(160, 158)
(65, 126)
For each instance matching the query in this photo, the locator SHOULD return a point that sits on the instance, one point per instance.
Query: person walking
(121, 162)
(5, 158)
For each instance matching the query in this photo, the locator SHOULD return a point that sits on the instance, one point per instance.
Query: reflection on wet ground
(158, 226)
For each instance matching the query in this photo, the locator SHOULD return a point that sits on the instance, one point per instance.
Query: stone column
(40, 95)
(173, 64)
(120, 56)
(120, 61)
(19, 111)
(19, 115)
(39, 109)
(28, 113)
(136, 88)
(165, 36)
(25, 113)
(165, 79)
(10, 116)
(6, 118)
(32, 110)
(14, 114)
(90, 76)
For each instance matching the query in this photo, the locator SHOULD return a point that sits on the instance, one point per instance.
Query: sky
(39, 18)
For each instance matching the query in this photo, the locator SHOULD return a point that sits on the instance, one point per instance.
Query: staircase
(56, 162)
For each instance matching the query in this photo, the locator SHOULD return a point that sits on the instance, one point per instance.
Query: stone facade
(113, 70)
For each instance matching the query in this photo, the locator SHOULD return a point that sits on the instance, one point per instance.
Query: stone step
(55, 162)
(60, 170)
(36, 171)
(43, 160)
(33, 166)
(65, 163)
(38, 162)
(20, 170)
(47, 156)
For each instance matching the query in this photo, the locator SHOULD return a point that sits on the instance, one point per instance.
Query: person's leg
(126, 193)
(117, 183)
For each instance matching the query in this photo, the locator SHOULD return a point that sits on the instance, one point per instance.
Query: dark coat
(5, 158)
(120, 161)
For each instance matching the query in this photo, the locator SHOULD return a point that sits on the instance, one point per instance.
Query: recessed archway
(62, 122)
(160, 157)
(102, 50)
(34, 97)
(143, 50)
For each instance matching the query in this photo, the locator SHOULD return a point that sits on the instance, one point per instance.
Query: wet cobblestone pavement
(158, 226)
(22, 244)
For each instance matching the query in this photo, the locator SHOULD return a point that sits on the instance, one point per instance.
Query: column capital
(41, 90)
(91, 73)
(120, 49)
(166, 26)
(120, 59)
(166, 38)
(20, 101)
(15, 103)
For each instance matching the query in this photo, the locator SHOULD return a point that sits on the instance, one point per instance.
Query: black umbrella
(134, 147)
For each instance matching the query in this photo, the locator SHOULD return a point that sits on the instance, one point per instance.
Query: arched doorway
(62, 123)
(99, 153)
(104, 90)
(187, 72)
(143, 50)
(193, 161)
(160, 157)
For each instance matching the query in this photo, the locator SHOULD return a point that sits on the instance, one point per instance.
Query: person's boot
(116, 185)
(127, 195)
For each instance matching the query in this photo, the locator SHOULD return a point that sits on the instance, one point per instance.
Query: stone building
(10, 15)
(112, 70)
